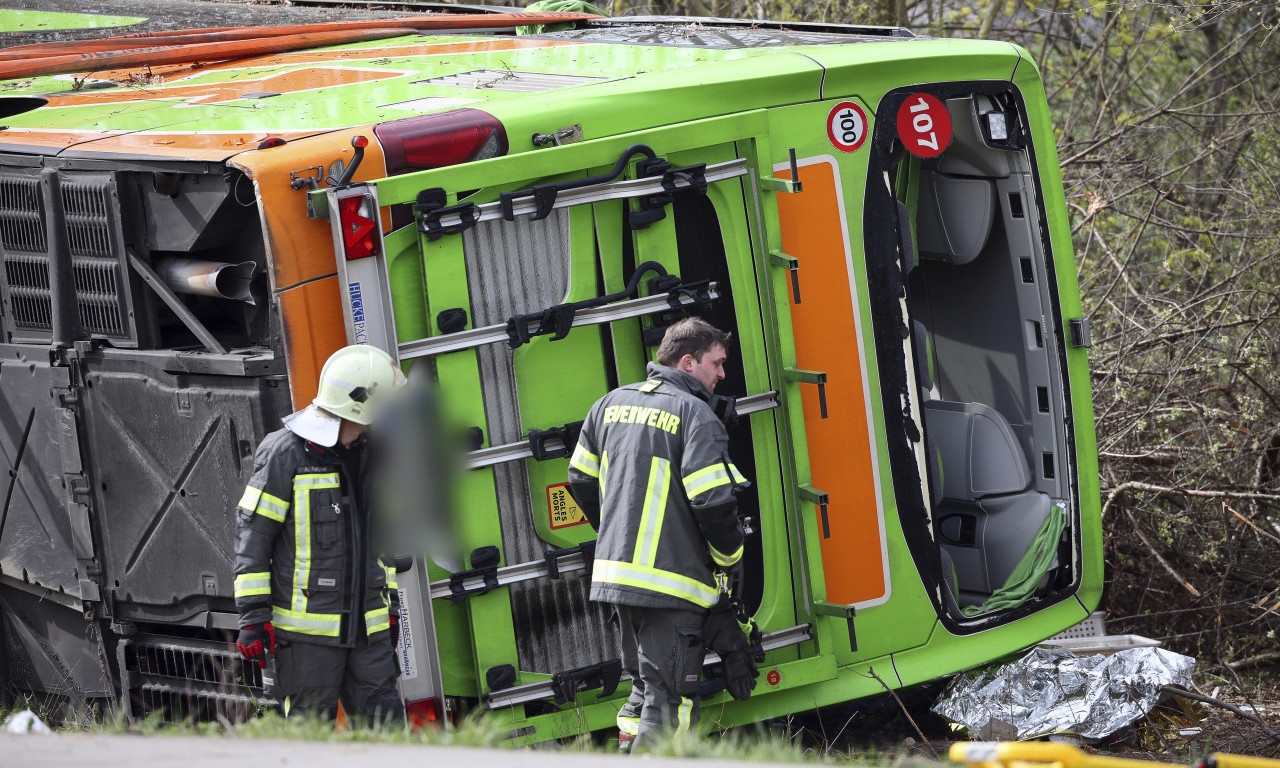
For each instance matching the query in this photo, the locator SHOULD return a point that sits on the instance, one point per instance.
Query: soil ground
(883, 726)
(177, 14)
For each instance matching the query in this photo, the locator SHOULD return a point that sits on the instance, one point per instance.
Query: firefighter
(652, 474)
(309, 587)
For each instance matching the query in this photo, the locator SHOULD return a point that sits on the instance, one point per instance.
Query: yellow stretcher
(1041, 754)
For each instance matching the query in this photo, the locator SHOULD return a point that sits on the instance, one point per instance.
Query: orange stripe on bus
(840, 448)
(292, 81)
(313, 330)
(301, 250)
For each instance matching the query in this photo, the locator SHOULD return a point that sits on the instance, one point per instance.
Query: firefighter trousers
(662, 652)
(314, 678)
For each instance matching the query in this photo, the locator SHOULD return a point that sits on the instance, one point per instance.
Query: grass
(757, 743)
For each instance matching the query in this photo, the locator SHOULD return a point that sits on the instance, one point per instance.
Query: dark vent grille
(90, 209)
(21, 214)
(97, 296)
(86, 209)
(27, 278)
(189, 680)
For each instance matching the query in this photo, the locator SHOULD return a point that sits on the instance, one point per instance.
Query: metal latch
(567, 435)
(552, 558)
(566, 135)
(565, 686)
(811, 377)
(821, 499)
(544, 195)
(430, 208)
(485, 566)
(652, 208)
(792, 265)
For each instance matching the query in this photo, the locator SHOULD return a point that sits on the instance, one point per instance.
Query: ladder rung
(499, 454)
(489, 334)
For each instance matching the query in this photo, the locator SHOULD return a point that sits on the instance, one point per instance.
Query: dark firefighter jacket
(303, 555)
(652, 473)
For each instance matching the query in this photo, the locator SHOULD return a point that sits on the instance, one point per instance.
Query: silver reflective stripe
(327, 624)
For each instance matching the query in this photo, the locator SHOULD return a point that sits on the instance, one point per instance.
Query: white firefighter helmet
(354, 381)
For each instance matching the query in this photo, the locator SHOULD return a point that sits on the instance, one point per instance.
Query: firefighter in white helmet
(311, 590)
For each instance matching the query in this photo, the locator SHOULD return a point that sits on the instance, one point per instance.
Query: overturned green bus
(878, 217)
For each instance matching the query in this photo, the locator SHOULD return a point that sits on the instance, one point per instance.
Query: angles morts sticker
(562, 508)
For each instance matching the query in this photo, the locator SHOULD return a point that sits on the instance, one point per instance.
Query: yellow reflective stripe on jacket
(248, 584)
(684, 717)
(303, 485)
(377, 620)
(629, 725)
(270, 507)
(320, 480)
(707, 478)
(323, 624)
(585, 461)
(250, 498)
(392, 583)
(654, 580)
(723, 559)
(652, 512)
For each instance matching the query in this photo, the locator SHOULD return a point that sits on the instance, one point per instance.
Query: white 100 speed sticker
(846, 126)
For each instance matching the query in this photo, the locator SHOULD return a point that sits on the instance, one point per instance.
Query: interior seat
(988, 514)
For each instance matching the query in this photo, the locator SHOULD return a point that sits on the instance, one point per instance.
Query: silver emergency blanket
(1051, 690)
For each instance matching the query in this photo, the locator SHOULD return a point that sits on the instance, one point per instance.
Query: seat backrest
(955, 215)
(979, 454)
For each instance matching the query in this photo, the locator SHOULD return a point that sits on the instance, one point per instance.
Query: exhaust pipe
(208, 278)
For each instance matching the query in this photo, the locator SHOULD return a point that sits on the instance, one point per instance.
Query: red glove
(256, 641)
(395, 631)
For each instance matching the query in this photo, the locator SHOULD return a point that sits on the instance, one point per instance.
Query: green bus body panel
(1027, 78)
(41, 21)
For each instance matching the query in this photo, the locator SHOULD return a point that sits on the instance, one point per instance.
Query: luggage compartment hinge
(820, 499)
(811, 377)
(788, 186)
(792, 265)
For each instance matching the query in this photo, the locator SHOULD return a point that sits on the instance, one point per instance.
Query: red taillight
(423, 714)
(444, 138)
(359, 228)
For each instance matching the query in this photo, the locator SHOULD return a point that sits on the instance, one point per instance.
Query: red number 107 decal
(924, 125)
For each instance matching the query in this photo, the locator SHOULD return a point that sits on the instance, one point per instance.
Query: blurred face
(709, 370)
